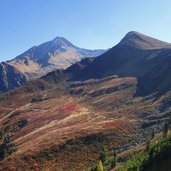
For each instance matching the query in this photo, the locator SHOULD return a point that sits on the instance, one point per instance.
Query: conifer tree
(152, 134)
(103, 155)
(165, 130)
(114, 160)
(147, 145)
(100, 166)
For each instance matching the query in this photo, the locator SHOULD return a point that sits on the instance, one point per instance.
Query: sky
(92, 24)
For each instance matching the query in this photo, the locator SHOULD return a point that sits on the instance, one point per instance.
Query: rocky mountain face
(10, 77)
(39, 60)
(56, 54)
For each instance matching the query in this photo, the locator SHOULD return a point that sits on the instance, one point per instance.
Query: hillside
(155, 156)
(137, 55)
(62, 120)
(10, 77)
(59, 119)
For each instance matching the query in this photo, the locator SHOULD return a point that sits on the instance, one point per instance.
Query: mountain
(10, 77)
(56, 54)
(66, 119)
(39, 60)
(141, 41)
(137, 55)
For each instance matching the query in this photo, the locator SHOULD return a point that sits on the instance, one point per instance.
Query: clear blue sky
(86, 23)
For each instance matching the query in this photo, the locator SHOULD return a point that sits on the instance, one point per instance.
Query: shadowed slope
(10, 77)
(141, 41)
(138, 56)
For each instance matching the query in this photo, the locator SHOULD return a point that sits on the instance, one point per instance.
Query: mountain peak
(131, 33)
(61, 41)
(141, 41)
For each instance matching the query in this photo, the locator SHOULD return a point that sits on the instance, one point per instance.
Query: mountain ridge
(126, 59)
(114, 101)
(142, 41)
(58, 53)
(39, 60)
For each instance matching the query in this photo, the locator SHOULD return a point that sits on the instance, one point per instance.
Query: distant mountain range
(39, 60)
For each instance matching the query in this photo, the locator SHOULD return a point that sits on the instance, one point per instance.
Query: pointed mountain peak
(141, 41)
(61, 41)
(134, 33)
